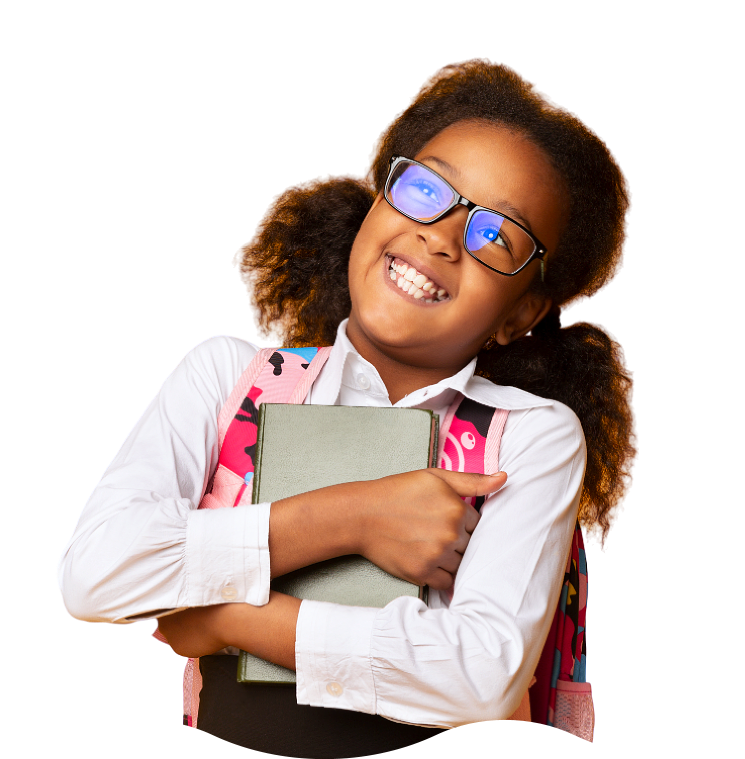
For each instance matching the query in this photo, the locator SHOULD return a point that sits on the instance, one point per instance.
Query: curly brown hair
(297, 264)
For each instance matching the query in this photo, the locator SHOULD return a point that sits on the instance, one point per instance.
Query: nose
(445, 236)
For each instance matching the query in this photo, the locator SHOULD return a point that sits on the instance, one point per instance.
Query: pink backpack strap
(283, 375)
(245, 383)
(469, 441)
(470, 438)
(312, 358)
(275, 375)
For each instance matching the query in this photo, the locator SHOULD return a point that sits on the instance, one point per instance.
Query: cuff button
(334, 689)
(229, 593)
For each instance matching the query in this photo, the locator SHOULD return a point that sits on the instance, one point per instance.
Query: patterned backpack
(469, 442)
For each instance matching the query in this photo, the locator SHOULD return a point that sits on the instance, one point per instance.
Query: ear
(527, 312)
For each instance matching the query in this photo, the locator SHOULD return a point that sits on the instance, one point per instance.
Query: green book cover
(303, 447)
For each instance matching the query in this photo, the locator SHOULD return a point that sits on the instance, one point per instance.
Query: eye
(491, 234)
(417, 190)
(487, 234)
(489, 231)
(419, 193)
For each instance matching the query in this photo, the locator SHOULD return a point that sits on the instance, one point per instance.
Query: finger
(470, 483)
(451, 561)
(472, 519)
(440, 579)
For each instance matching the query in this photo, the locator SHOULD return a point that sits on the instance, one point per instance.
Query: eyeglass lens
(422, 194)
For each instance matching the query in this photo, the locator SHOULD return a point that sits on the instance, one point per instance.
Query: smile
(414, 284)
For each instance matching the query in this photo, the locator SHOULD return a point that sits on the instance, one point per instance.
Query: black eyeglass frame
(539, 249)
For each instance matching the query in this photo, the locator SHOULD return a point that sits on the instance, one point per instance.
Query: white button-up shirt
(142, 549)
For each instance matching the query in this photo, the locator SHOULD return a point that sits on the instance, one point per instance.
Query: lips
(413, 283)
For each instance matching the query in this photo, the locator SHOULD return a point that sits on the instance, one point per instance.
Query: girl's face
(494, 168)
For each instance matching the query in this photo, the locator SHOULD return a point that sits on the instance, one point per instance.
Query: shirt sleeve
(141, 548)
(469, 657)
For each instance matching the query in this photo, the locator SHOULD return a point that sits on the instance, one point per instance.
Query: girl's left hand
(266, 631)
(195, 632)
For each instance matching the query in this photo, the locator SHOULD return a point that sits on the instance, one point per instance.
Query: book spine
(433, 449)
(257, 455)
(435, 441)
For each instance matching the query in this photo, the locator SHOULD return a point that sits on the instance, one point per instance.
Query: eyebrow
(505, 206)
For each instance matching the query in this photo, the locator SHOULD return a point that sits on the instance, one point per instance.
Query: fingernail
(494, 474)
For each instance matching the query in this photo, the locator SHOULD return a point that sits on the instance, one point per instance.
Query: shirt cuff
(227, 555)
(332, 656)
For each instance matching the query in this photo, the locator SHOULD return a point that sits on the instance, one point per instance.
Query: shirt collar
(328, 385)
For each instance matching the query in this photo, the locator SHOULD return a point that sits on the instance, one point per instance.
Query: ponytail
(296, 266)
(581, 367)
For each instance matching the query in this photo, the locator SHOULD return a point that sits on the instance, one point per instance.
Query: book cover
(300, 448)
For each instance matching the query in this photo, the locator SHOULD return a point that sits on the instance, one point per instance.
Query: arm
(414, 525)
(267, 631)
(470, 658)
(141, 547)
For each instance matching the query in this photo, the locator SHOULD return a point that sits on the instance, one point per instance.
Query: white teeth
(408, 279)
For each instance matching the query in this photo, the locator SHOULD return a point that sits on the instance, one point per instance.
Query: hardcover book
(300, 448)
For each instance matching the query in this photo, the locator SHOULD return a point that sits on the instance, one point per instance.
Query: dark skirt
(267, 718)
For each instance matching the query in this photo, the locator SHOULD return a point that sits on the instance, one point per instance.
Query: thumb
(470, 483)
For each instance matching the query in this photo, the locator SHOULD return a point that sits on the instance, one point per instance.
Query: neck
(401, 380)
(399, 377)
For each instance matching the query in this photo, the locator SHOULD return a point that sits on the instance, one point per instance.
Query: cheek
(489, 300)
(381, 224)
(375, 234)
(488, 324)
(357, 261)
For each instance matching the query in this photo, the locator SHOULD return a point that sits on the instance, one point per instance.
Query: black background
(160, 173)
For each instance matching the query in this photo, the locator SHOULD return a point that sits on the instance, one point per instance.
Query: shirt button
(229, 593)
(334, 689)
(363, 381)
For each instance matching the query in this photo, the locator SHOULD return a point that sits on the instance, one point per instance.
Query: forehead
(498, 168)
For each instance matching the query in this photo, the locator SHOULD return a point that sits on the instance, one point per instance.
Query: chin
(389, 334)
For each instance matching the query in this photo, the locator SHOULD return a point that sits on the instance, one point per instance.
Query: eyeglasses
(493, 239)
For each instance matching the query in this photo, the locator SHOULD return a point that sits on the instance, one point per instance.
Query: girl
(440, 279)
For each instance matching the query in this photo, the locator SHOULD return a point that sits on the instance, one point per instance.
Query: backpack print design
(570, 705)
(464, 449)
(284, 370)
(278, 357)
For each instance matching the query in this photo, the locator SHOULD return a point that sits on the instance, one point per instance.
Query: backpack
(469, 442)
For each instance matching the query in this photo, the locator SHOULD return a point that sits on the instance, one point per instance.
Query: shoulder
(222, 353)
(534, 422)
(214, 366)
(548, 422)
(549, 435)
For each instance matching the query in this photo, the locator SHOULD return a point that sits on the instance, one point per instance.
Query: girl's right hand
(416, 526)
